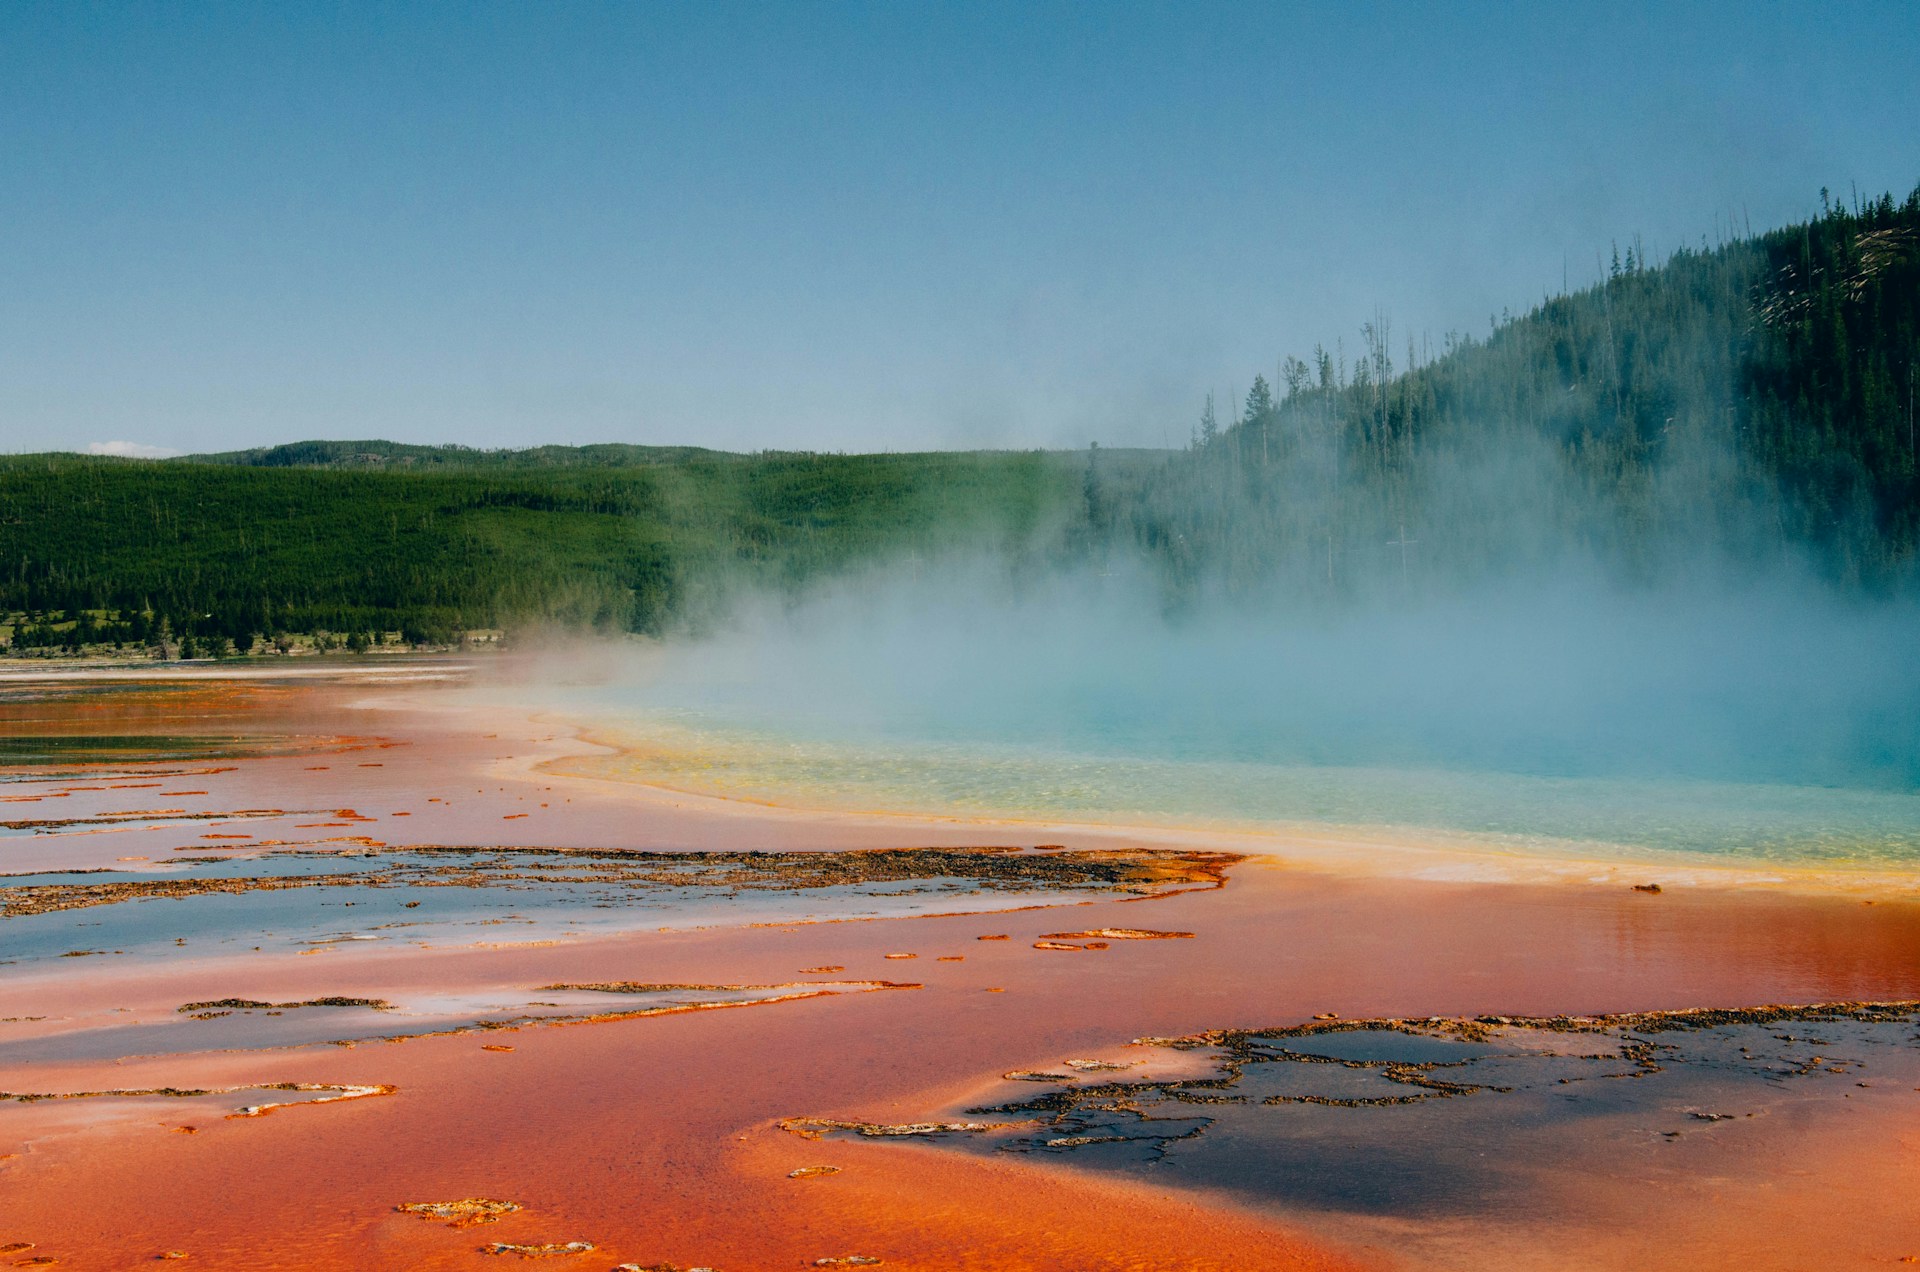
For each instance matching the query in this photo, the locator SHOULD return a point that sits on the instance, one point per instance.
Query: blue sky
(885, 226)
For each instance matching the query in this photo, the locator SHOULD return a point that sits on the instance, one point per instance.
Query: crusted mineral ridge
(50, 825)
(795, 992)
(464, 1213)
(1150, 1116)
(815, 1128)
(1117, 934)
(336, 1092)
(1075, 1108)
(672, 987)
(21, 900)
(226, 1006)
(761, 996)
(991, 867)
(986, 869)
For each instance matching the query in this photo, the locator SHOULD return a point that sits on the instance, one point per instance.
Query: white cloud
(131, 450)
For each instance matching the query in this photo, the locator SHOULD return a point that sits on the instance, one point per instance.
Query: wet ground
(310, 1006)
(430, 894)
(239, 1024)
(1493, 1120)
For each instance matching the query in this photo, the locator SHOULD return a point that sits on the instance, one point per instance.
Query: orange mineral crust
(653, 1139)
(664, 1139)
(656, 1138)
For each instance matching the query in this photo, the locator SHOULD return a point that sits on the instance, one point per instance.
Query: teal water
(1634, 817)
(1772, 724)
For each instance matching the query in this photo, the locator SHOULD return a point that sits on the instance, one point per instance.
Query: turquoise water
(1614, 816)
(1773, 724)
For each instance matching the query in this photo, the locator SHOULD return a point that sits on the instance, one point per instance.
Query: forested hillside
(1733, 404)
(1736, 406)
(237, 552)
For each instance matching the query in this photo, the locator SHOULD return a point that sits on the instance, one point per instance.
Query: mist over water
(1769, 720)
(1629, 572)
(1556, 679)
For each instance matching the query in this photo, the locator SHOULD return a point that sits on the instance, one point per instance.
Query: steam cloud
(1778, 679)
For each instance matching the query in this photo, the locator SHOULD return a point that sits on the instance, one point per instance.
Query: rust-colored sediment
(659, 1139)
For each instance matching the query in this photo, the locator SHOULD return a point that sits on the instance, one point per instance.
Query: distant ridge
(404, 456)
(375, 454)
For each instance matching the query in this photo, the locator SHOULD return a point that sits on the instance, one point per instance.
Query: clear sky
(850, 226)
